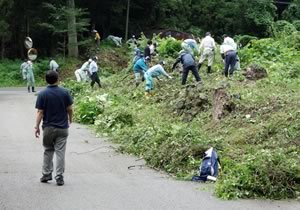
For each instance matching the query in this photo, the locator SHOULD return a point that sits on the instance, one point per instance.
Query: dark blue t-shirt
(54, 101)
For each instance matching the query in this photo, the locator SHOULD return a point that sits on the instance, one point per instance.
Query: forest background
(46, 22)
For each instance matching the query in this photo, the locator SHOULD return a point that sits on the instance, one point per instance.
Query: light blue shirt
(157, 70)
(140, 65)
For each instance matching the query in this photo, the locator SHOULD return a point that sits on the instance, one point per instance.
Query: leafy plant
(169, 47)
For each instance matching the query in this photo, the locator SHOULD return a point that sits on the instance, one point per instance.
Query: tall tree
(127, 19)
(292, 13)
(5, 6)
(72, 32)
(57, 24)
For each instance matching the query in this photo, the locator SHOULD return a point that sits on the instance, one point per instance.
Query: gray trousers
(54, 140)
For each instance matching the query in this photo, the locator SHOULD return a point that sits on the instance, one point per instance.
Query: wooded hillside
(46, 22)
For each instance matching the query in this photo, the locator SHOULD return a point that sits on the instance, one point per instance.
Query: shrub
(260, 173)
(169, 47)
(89, 107)
(243, 40)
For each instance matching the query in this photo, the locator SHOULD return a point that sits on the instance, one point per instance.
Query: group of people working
(186, 57)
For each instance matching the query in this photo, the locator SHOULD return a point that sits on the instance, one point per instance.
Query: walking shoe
(46, 177)
(60, 180)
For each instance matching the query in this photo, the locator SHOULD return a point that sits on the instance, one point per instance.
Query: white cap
(90, 60)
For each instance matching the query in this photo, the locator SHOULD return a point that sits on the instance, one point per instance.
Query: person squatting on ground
(207, 47)
(189, 64)
(54, 107)
(82, 73)
(228, 53)
(53, 65)
(30, 76)
(232, 43)
(190, 45)
(116, 40)
(93, 70)
(139, 68)
(154, 72)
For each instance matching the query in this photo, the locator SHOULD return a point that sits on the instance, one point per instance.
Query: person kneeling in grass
(154, 71)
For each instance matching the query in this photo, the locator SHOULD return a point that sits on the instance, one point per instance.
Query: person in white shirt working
(93, 69)
(208, 47)
(231, 42)
(53, 65)
(81, 74)
(228, 53)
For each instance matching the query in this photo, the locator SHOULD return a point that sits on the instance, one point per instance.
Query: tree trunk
(2, 48)
(127, 20)
(72, 32)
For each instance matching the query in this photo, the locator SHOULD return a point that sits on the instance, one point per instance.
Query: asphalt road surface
(96, 177)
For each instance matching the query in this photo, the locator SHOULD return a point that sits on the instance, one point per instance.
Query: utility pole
(127, 20)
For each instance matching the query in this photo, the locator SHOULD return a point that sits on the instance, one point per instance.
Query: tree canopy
(21, 18)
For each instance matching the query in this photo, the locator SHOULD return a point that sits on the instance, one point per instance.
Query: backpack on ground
(209, 167)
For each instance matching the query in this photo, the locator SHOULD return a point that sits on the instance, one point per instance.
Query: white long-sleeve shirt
(53, 65)
(230, 41)
(208, 42)
(85, 66)
(224, 48)
(93, 67)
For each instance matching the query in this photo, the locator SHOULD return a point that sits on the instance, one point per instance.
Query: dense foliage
(46, 22)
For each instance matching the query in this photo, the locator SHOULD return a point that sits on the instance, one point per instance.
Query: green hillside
(257, 137)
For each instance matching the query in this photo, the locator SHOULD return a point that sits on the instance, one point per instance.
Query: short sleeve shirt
(54, 101)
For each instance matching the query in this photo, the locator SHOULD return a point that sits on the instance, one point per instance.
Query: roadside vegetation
(257, 138)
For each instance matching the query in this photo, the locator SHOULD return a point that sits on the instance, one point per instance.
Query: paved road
(96, 176)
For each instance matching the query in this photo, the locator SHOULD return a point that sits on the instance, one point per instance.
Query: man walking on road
(54, 105)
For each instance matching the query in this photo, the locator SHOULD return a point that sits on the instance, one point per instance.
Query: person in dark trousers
(54, 107)
(93, 70)
(147, 51)
(189, 64)
(228, 53)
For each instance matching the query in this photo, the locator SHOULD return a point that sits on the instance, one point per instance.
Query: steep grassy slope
(258, 140)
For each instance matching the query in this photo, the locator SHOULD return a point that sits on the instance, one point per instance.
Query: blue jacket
(186, 59)
(140, 65)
